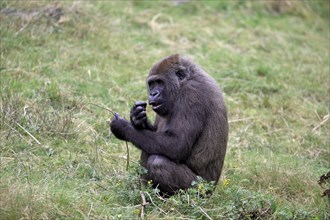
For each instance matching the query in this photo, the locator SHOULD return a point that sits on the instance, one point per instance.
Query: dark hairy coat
(190, 133)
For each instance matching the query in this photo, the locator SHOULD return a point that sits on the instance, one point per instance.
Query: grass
(271, 60)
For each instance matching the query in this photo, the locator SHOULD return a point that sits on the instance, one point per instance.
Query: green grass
(271, 60)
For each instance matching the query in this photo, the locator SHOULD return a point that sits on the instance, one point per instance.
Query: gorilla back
(190, 133)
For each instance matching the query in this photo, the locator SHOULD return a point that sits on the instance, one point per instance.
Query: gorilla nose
(154, 94)
(153, 97)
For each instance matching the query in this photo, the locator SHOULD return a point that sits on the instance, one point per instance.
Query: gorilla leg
(167, 175)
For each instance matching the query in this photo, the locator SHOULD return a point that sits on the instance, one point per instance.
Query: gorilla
(189, 136)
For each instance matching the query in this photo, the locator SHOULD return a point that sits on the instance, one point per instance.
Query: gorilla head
(164, 82)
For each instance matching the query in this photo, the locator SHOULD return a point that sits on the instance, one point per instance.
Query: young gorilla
(189, 136)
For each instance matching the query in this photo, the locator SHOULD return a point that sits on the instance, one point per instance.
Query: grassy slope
(273, 68)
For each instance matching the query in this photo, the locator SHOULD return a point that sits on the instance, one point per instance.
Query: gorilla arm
(175, 142)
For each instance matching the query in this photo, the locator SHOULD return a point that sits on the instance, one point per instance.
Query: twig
(202, 210)
(90, 210)
(159, 196)
(241, 119)
(152, 202)
(101, 186)
(143, 204)
(105, 108)
(22, 28)
(116, 115)
(206, 215)
(264, 211)
(28, 133)
(325, 119)
(38, 15)
(18, 133)
(127, 160)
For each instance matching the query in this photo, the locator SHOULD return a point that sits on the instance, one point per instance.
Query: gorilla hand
(119, 127)
(139, 115)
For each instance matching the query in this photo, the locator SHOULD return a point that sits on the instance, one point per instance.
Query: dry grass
(58, 159)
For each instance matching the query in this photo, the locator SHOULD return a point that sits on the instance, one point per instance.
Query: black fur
(189, 136)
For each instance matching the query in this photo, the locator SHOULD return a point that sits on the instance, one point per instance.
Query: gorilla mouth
(156, 106)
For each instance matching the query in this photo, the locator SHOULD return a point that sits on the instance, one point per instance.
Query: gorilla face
(163, 90)
(156, 95)
(165, 81)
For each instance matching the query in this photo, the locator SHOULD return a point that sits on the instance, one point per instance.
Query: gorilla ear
(180, 74)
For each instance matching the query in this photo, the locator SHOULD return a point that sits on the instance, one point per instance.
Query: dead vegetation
(271, 59)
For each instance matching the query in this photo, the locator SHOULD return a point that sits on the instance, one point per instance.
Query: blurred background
(61, 58)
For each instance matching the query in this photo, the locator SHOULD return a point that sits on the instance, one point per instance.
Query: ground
(59, 59)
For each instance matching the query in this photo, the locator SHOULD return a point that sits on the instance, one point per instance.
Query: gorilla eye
(180, 74)
(156, 82)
